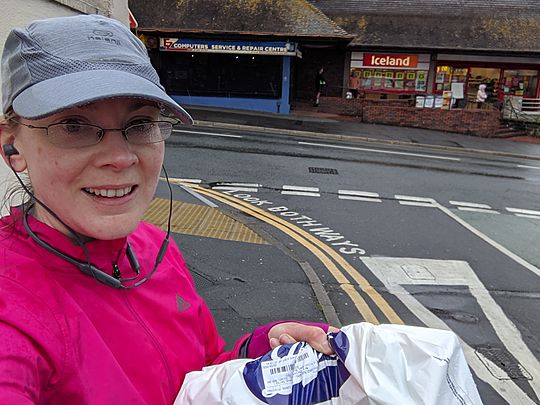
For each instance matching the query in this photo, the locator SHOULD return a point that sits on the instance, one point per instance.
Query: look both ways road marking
(326, 255)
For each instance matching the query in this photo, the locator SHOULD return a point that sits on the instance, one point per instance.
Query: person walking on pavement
(97, 307)
(320, 82)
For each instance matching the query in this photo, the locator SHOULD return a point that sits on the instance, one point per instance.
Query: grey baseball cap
(64, 62)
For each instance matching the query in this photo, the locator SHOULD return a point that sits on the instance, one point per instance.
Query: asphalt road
(428, 238)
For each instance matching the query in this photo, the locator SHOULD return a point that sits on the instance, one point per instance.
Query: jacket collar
(103, 253)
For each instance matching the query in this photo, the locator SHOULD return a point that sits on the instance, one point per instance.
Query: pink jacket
(68, 339)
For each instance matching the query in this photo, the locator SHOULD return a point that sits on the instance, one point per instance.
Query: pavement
(238, 279)
(333, 127)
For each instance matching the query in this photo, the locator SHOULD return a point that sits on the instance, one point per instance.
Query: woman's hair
(7, 121)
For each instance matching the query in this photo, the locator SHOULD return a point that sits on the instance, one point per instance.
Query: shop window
(381, 80)
(489, 77)
(520, 83)
(446, 75)
(222, 75)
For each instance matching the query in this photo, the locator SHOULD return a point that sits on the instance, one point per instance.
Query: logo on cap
(105, 36)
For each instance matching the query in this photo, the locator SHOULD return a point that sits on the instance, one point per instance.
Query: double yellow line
(323, 252)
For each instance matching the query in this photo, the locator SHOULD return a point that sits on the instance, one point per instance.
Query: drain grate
(508, 366)
(322, 170)
(201, 281)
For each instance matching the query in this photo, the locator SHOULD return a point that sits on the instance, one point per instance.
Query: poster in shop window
(428, 103)
(447, 100)
(421, 81)
(440, 77)
(458, 90)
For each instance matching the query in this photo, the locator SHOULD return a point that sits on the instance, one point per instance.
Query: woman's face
(100, 191)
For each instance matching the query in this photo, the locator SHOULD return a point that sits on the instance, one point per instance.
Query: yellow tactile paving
(199, 220)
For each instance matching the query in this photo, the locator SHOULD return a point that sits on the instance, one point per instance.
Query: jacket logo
(181, 304)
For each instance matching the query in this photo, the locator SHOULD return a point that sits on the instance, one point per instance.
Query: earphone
(9, 149)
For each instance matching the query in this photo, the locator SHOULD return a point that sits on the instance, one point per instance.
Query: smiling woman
(89, 292)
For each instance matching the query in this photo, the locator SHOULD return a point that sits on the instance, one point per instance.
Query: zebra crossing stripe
(470, 205)
(358, 195)
(303, 191)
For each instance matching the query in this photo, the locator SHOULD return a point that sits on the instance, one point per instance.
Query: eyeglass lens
(73, 135)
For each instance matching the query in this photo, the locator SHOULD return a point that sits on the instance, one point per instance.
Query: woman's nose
(115, 150)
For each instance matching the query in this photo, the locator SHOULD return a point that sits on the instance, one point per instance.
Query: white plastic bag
(385, 364)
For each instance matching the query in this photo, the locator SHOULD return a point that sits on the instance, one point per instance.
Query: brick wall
(398, 112)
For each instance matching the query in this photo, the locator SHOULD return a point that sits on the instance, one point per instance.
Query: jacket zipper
(157, 346)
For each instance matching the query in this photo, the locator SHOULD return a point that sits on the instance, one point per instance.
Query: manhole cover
(201, 281)
(417, 272)
(322, 170)
(507, 366)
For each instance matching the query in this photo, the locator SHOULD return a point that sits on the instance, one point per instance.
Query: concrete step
(508, 131)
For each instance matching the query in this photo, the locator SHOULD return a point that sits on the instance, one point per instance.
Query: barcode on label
(288, 367)
(282, 369)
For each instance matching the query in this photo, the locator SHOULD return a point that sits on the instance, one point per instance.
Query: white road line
(522, 211)
(487, 239)
(358, 198)
(199, 197)
(304, 193)
(239, 184)
(232, 188)
(470, 204)
(413, 198)
(485, 210)
(528, 216)
(380, 151)
(418, 204)
(528, 167)
(192, 181)
(300, 188)
(358, 193)
(207, 133)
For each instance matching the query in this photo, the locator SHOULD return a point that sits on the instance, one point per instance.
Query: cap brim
(75, 89)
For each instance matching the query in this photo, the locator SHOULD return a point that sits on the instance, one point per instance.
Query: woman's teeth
(104, 192)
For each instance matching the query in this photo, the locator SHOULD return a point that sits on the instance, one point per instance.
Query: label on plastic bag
(295, 371)
(281, 374)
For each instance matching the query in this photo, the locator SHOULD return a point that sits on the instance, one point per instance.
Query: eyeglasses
(75, 135)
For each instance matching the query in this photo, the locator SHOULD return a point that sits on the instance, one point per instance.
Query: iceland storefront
(251, 75)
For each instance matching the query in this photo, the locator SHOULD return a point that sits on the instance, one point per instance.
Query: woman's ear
(10, 154)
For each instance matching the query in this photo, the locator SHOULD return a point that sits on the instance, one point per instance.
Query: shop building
(504, 75)
(226, 53)
(433, 47)
(392, 74)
